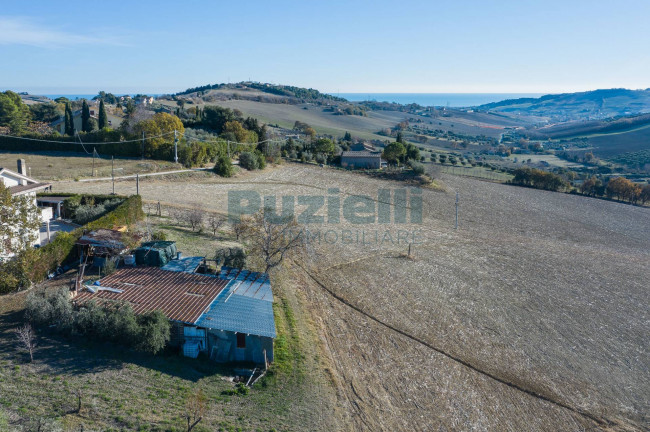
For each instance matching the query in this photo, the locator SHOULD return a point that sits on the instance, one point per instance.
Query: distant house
(228, 317)
(362, 159)
(59, 125)
(20, 184)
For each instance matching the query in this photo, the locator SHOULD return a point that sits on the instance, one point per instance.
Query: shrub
(417, 168)
(87, 213)
(116, 323)
(159, 235)
(248, 160)
(261, 159)
(223, 166)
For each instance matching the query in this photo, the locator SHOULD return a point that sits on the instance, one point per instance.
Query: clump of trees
(538, 179)
(111, 322)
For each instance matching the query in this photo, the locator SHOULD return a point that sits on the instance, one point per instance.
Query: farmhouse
(362, 159)
(19, 184)
(228, 316)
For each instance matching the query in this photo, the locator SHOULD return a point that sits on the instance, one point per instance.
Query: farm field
(52, 166)
(548, 158)
(532, 316)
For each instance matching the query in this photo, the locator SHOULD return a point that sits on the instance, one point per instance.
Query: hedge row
(68, 144)
(33, 265)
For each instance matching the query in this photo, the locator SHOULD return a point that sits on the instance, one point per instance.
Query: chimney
(22, 170)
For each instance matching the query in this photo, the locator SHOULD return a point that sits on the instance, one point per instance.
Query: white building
(20, 184)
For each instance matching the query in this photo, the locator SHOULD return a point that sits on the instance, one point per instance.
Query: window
(241, 340)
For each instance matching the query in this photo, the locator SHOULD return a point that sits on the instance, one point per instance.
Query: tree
(644, 196)
(13, 112)
(272, 238)
(394, 152)
(223, 166)
(85, 117)
(45, 112)
(215, 222)
(324, 146)
(19, 221)
(159, 131)
(154, 331)
(69, 120)
(347, 137)
(399, 138)
(26, 340)
(412, 152)
(215, 117)
(195, 217)
(103, 120)
(195, 408)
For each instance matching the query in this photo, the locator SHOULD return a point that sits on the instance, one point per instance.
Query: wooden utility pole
(93, 162)
(137, 184)
(456, 210)
(175, 147)
(113, 172)
(142, 145)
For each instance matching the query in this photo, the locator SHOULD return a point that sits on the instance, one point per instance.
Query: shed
(361, 159)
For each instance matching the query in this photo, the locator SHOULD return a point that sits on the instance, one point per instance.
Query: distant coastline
(436, 99)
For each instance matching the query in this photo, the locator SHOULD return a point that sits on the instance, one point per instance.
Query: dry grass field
(53, 166)
(532, 316)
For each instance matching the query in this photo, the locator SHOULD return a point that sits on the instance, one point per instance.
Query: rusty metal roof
(180, 296)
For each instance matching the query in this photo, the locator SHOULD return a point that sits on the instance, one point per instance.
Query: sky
(453, 46)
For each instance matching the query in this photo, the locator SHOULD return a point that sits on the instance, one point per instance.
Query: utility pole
(94, 161)
(228, 144)
(142, 145)
(113, 172)
(137, 184)
(456, 210)
(175, 147)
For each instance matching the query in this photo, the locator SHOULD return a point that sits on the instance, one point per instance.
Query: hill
(596, 104)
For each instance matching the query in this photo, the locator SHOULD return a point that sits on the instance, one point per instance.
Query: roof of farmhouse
(364, 154)
(236, 300)
(180, 296)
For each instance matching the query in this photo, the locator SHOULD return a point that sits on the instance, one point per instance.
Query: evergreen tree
(347, 137)
(69, 120)
(399, 138)
(103, 121)
(85, 117)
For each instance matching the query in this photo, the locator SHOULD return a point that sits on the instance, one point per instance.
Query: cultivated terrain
(531, 316)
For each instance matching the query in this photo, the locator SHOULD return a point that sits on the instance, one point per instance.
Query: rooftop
(244, 306)
(363, 153)
(180, 296)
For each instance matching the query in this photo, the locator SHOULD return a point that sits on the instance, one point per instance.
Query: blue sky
(346, 46)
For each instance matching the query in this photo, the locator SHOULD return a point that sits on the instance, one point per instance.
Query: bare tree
(195, 217)
(78, 394)
(273, 239)
(215, 222)
(195, 408)
(27, 340)
(239, 229)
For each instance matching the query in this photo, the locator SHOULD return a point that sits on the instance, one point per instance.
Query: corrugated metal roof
(187, 264)
(249, 284)
(180, 296)
(239, 313)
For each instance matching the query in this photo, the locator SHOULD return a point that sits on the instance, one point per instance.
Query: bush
(417, 168)
(261, 159)
(223, 167)
(87, 213)
(248, 160)
(116, 323)
(159, 235)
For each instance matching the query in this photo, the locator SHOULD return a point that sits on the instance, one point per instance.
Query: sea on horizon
(436, 99)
